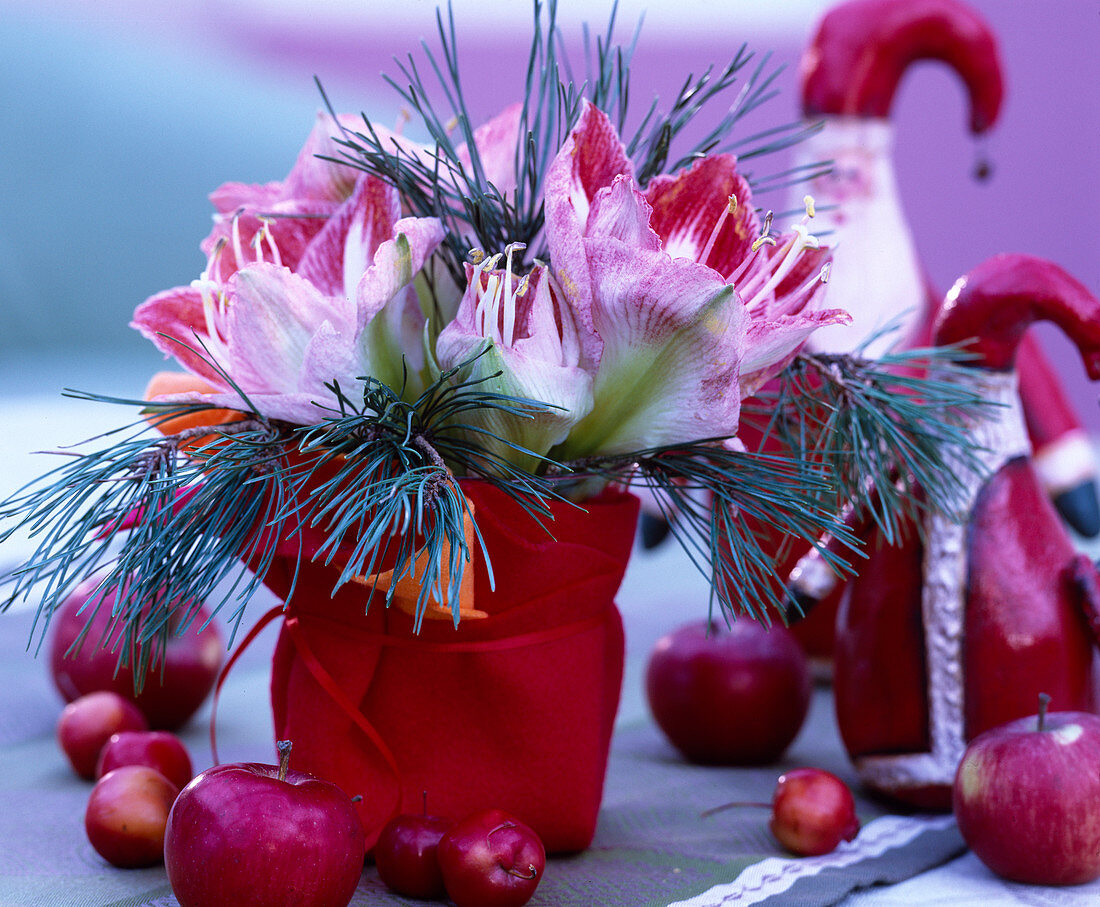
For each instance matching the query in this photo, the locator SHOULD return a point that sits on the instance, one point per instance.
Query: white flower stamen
(730, 208)
(788, 256)
(509, 295)
(238, 249)
(265, 235)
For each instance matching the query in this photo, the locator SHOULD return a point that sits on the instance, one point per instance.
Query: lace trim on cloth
(776, 875)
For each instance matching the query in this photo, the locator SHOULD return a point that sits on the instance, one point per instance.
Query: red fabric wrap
(513, 711)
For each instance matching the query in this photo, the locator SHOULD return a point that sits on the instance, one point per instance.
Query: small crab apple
(126, 815)
(406, 853)
(491, 859)
(87, 723)
(161, 750)
(812, 812)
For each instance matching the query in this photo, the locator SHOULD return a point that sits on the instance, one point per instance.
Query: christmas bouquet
(420, 377)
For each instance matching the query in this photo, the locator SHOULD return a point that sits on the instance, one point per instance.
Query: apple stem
(283, 749)
(725, 806)
(532, 873)
(1044, 701)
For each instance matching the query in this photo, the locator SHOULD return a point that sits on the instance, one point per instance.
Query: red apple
(406, 854)
(734, 695)
(172, 691)
(161, 750)
(812, 812)
(1027, 798)
(126, 816)
(263, 835)
(491, 859)
(87, 723)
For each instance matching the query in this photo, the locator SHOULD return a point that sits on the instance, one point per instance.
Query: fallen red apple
(87, 723)
(812, 812)
(263, 835)
(1027, 798)
(734, 695)
(172, 691)
(491, 859)
(161, 750)
(126, 816)
(405, 854)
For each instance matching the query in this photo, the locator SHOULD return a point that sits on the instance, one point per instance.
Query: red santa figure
(960, 628)
(850, 73)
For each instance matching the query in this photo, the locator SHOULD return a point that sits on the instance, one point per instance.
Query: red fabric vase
(513, 711)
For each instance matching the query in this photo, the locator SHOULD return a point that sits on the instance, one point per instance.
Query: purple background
(224, 92)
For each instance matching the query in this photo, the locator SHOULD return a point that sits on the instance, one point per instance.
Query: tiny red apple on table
(812, 812)
(83, 661)
(126, 816)
(735, 695)
(491, 859)
(1027, 798)
(263, 835)
(87, 723)
(406, 854)
(161, 750)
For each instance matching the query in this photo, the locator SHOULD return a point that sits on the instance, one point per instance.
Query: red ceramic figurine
(941, 640)
(850, 74)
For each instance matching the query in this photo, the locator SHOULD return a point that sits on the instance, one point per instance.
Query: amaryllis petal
(279, 232)
(396, 262)
(315, 174)
(496, 142)
(691, 213)
(176, 322)
(590, 158)
(565, 390)
(231, 197)
(285, 215)
(527, 341)
(673, 333)
(273, 317)
(621, 212)
(771, 345)
(341, 252)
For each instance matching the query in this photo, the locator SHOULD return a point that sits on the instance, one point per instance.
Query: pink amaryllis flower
(253, 222)
(282, 337)
(684, 300)
(526, 346)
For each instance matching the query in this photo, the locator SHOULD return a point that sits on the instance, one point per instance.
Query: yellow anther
(476, 256)
(763, 241)
(732, 204)
(808, 201)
